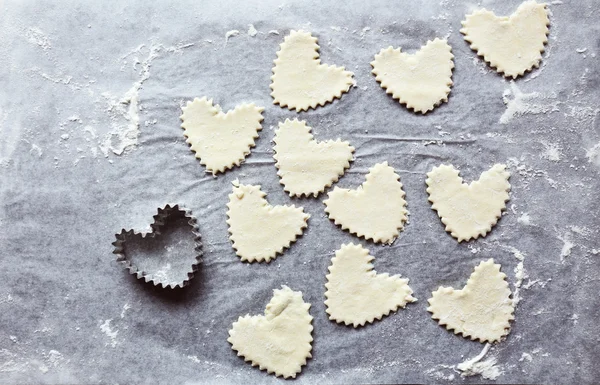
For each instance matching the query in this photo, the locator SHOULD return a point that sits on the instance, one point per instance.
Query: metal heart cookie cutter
(168, 255)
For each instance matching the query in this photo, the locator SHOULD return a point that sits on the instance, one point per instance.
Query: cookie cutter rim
(159, 221)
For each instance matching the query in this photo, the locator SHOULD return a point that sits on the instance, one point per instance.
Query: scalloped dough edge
(359, 234)
(449, 290)
(448, 227)
(448, 85)
(219, 112)
(277, 292)
(494, 64)
(317, 60)
(371, 268)
(282, 249)
(330, 183)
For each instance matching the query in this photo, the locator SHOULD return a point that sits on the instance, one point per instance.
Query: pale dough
(307, 167)
(512, 45)
(258, 230)
(422, 80)
(299, 79)
(356, 294)
(280, 341)
(220, 140)
(376, 210)
(468, 210)
(481, 310)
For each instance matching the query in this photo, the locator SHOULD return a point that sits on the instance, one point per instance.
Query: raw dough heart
(280, 341)
(468, 210)
(422, 80)
(220, 140)
(299, 79)
(307, 167)
(376, 210)
(481, 310)
(356, 294)
(512, 45)
(258, 230)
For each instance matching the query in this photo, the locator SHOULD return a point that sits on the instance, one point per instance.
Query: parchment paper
(72, 73)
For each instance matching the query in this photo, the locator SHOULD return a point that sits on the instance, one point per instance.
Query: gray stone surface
(70, 314)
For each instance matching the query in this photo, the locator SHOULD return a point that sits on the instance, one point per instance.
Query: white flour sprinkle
(194, 359)
(230, 34)
(110, 333)
(593, 155)
(567, 247)
(125, 308)
(54, 358)
(35, 36)
(520, 273)
(475, 367)
(583, 114)
(525, 357)
(439, 374)
(162, 274)
(552, 152)
(124, 111)
(524, 219)
(179, 47)
(519, 104)
(574, 318)
(37, 149)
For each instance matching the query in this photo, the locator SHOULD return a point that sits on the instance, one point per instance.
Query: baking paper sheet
(82, 81)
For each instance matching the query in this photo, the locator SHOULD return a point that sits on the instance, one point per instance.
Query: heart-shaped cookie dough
(280, 341)
(305, 166)
(468, 210)
(376, 210)
(481, 310)
(422, 80)
(299, 79)
(220, 140)
(168, 255)
(512, 45)
(356, 294)
(258, 230)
